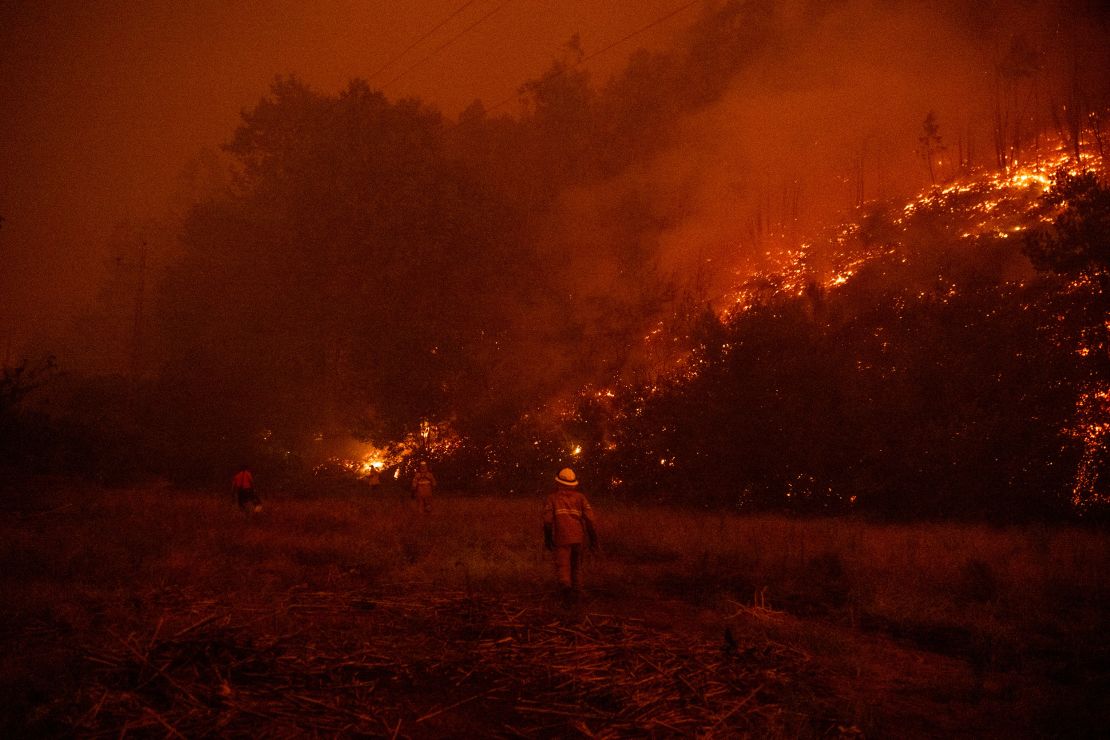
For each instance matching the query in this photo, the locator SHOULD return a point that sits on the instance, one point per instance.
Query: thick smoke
(779, 118)
(765, 121)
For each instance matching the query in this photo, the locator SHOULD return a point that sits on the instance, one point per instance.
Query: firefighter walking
(568, 524)
(242, 485)
(423, 484)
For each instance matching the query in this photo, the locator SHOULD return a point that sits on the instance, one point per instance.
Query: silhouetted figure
(242, 484)
(374, 478)
(423, 485)
(568, 523)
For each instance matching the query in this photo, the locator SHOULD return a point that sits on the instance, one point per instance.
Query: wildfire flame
(979, 209)
(431, 440)
(1091, 428)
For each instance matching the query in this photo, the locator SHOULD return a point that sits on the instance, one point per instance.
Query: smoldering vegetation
(366, 264)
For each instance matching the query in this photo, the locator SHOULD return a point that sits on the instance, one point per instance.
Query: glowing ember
(1091, 428)
(431, 440)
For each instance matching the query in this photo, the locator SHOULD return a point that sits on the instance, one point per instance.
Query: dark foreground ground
(165, 613)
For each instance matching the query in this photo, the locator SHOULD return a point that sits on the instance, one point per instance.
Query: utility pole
(137, 321)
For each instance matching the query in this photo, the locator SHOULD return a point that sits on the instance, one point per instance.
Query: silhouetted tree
(1076, 242)
(354, 271)
(929, 144)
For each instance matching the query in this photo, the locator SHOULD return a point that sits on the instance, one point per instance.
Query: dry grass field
(169, 613)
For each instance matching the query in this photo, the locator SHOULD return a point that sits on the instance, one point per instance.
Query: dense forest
(361, 270)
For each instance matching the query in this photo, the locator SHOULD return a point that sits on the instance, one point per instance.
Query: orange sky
(104, 102)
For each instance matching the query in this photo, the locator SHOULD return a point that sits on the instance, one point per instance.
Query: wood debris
(422, 664)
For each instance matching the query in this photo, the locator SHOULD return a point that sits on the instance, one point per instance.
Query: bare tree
(929, 144)
(1016, 76)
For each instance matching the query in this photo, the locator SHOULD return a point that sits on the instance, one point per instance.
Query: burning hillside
(975, 211)
(887, 352)
(911, 352)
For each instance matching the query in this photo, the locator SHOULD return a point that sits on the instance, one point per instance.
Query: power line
(638, 31)
(413, 45)
(613, 45)
(447, 43)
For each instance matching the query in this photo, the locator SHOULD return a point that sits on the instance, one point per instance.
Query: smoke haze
(106, 103)
(743, 128)
(825, 110)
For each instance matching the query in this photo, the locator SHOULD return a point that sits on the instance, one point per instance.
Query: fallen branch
(449, 707)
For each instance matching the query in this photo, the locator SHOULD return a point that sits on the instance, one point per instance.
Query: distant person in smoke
(374, 478)
(242, 484)
(568, 524)
(423, 484)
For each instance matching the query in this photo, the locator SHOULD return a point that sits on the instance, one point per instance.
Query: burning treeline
(640, 276)
(896, 377)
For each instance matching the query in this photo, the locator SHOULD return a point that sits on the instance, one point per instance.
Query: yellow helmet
(566, 478)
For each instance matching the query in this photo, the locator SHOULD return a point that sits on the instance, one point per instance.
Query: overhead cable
(638, 31)
(446, 43)
(613, 45)
(413, 45)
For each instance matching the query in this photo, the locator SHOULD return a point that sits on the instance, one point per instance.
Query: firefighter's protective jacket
(423, 483)
(243, 479)
(569, 515)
